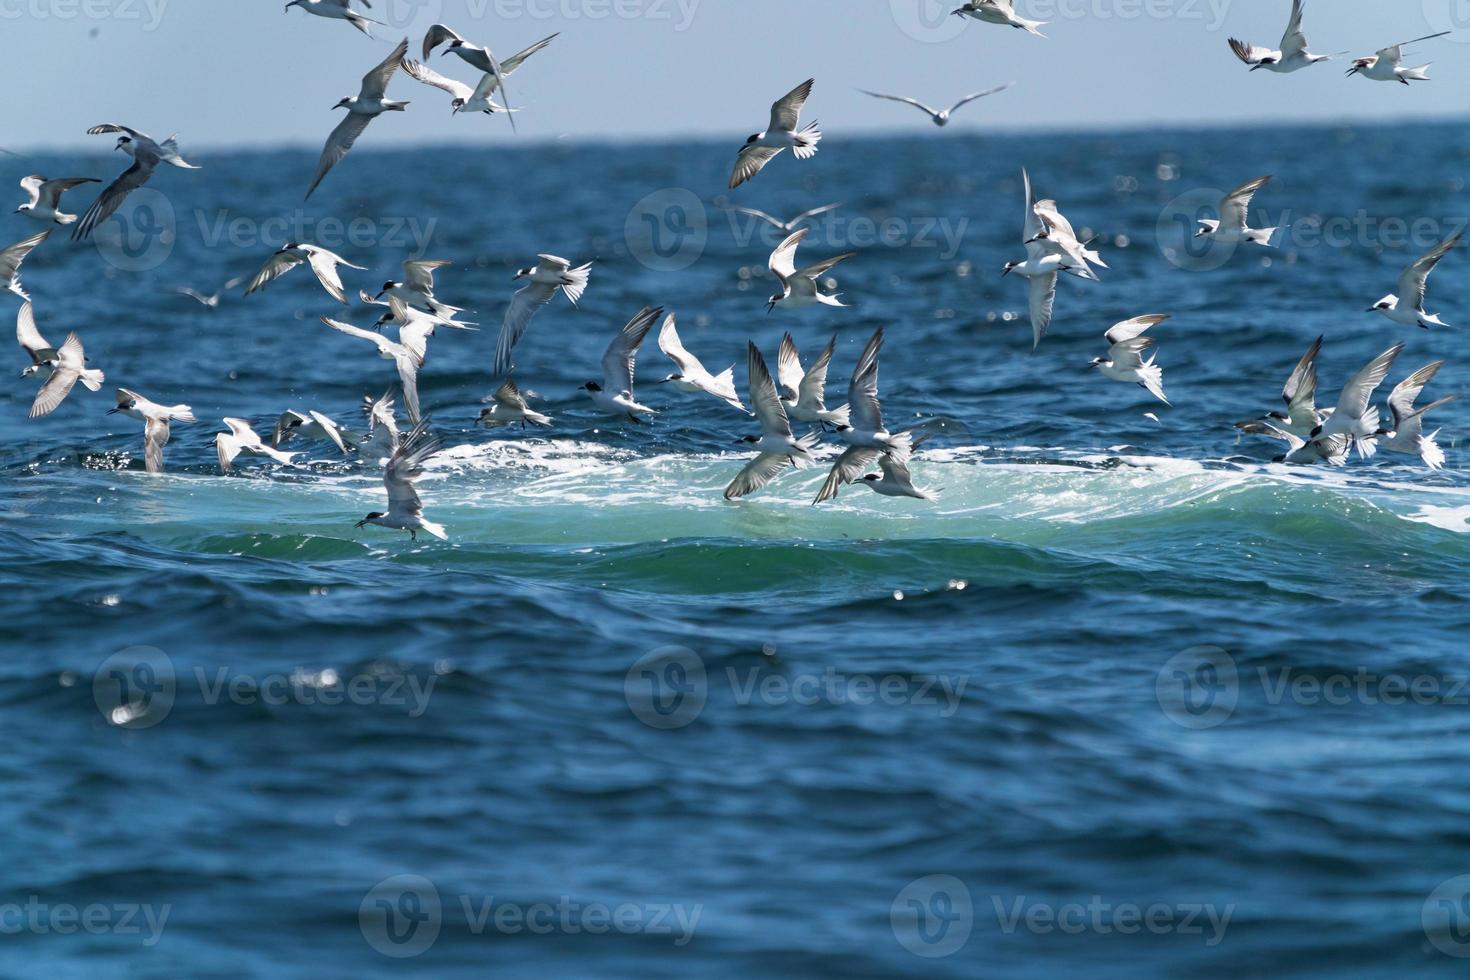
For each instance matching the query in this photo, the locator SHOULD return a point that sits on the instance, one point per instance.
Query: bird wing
(1304, 369)
(670, 344)
(786, 111)
(375, 82)
(763, 399)
(276, 266)
(436, 36)
(1128, 354)
(407, 465)
(12, 257)
(862, 396)
(408, 377)
(1262, 428)
(332, 429)
(788, 366)
(1406, 392)
(1394, 52)
(419, 273)
(30, 338)
(1043, 297)
(523, 306)
(771, 220)
(117, 128)
(1031, 226)
(812, 393)
(782, 262)
(324, 264)
(1251, 54)
(1135, 327)
(155, 437)
(622, 353)
(378, 340)
(32, 186)
(1353, 402)
(818, 268)
(1057, 225)
(978, 95)
(50, 191)
(849, 467)
(338, 143)
(510, 396)
(115, 193)
(70, 362)
(510, 64)
(756, 474)
(1235, 206)
(1416, 277)
(895, 469)
(1294, 41)
(813, 212)
(901, 98)
(751, 161)
(282, 428)
(423, 73)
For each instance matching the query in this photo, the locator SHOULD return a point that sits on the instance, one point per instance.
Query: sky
(228, 72)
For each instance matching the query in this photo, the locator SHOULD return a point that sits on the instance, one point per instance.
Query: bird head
(673, 377)
(1263, 63)
(344, 102)
(752, 138)
(458, 105)
(124, 404)
(388, 287)
(592, 386)
(840, 427)
(1097, 362)
(523, 273)
(1360, 65)
(1386, 303)
(1207, 226)
(373, 516)
(455, 45)
(773, 300)
(124, 143)
(872, 478)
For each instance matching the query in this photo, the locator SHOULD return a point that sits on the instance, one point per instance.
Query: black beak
(360, 523)
(111, 411)
(1005, 272)
(1371, 309)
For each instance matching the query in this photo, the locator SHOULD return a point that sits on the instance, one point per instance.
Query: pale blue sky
(242, 71)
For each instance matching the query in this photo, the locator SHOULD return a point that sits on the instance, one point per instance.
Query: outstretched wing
(275, 267)
(1235, 206)
(423, 73)
(338, 143)
(622, 353)
(375, 82)
(1416, 277)
(786, 111)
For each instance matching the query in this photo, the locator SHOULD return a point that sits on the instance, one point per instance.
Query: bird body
(1001, 12)
(777, 447)
(549, 274)
(155, 419)
(614, 394)
(1293, 55)
(1406, 307)
(405, 510)
(243, 439)
(691, 376)
(44, 195)
(1124, 361)
(799, 287)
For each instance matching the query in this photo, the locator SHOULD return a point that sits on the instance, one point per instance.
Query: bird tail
(279, 456)
(93, 378)
(839, 416)
(574, 282)
(1430, 452)
(1261, 236)
(806, 141)
(806, 444)
(66, 219)
(1153, 380)
(179, 413)
(536, 418)
(1030, 26)
(1420, 74)
(901, 446)
(437, 530)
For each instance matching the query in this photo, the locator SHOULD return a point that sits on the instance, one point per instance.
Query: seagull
(1353, 417)
(1388, 64)
(337, 10)
(466, 98)
(370, 102)
(1332, 450)
(786, 227)
(311, 425)
(155, 419)
(1043, 264)
(799, 286)
(776, 446)
(691, 375)
(1299, 393)
(405, 510)
(1407, 307)
(382, 436)
(243, 439)
(417, 287)
(550, 273)
(867, 438)
(1125, 355)
(508, 406)
(11, 259)
(1293, 55)
(940, 116)
(406, 359)
(146, 154)
(68, 365)
(322, 262)
(896, 480)
(1407, 435)
(999, 12)
(614, 395)
(803, 394)
(782, 132)
(45, 198)
(210, 300)
(1233, 226)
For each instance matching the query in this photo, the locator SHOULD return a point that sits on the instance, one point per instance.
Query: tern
(322, 262)
(1300, 394)
(1407, 306)
(1057, 237)
(940, 116)
(508, 406)
(147, 155)
(691, 375)
(1043, 264)
(209, 300)
(1332, 450)
(465, 98)
(480, 58)
(68, 364)
(782, 132)
(243, 439)
(370, 103)
(337, 10)
(41, 353)
(1353, 417)
(999, 12)
(311, 425)
(549, 274)
(1293, 55)
(799, 287)
(1233, 227)
(382, 435)
(407, 360)
(12, 257)
(776, 447)
(417, 287)
(786, 227)
(614, 394)
(867, 437)
(155, 419)
(1407, 435)
(895, 480)
(45, 198)
(1388, 64)
(1125, 362)
(804, 393)
(405, 510)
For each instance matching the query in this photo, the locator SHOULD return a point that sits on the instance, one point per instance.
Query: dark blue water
(1127, 700)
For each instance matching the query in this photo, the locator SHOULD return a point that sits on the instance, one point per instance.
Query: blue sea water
(1128, 699)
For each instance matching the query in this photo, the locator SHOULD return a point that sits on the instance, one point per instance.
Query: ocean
(1126, 699)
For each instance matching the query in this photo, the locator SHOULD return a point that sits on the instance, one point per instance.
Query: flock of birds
(796, 394)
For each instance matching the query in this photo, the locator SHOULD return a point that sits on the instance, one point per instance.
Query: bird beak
(1005, 272)
(110, 411)
(770, 305)
(1371, 309)
(360, 523)
(1257, 67)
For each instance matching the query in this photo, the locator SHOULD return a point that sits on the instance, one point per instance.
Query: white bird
(787, 227)
(549, 274)
(799, 287)
(1057, 237)
(147, 155)
(999, 12)
(940, 116)
(405, 509)
(781, 133)
(1407, 306)
(691, 376)
(804, 393)
(41, 353)
(614, 394)
(68, 365)
(1293, 55)
(407, 360)
(322, 262)
(243, 439)
(465, 98)
(1333, 450)
(370, 103)
(209, 300)
(1043, 264)
(10, 261)
(337, 10)
(311, 425)
(45, 198)
(776, 447)
(1125, 355)
(416, 288)
(1300, 394)
(508, 406)
(481, 58)
(895, 480)
(1233, 227)
(155, 419)
(382, 435)
(1353, 417)
(1407, 435)
(1388, 64)
(867, 437)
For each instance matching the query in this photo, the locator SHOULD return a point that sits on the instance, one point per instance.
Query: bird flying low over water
(1407, 305)
(1001, 12)
(370, 102)
(1300, 394)
(1332, 450)
(311, 425)
(866, 436)
(939, 116)
(45, 198)
(405, 510)
(463, 98)
(1353, 417)
(781, 133)
(1124, 361)
(11, 258)
(147, 155)
(243, 439)
(1407, 435)
(799, 287)
(691, 376)
(804, 393)
(1233, 226)
(322, 262)
(404, 357)
(1388, 64)
(155, 419)
(549, 274)
(1048, 255)
(787, 227)
(67, 364)
(337, 10)
(776, 447)
(507, 406)
(614, 395)
(1293, 55)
